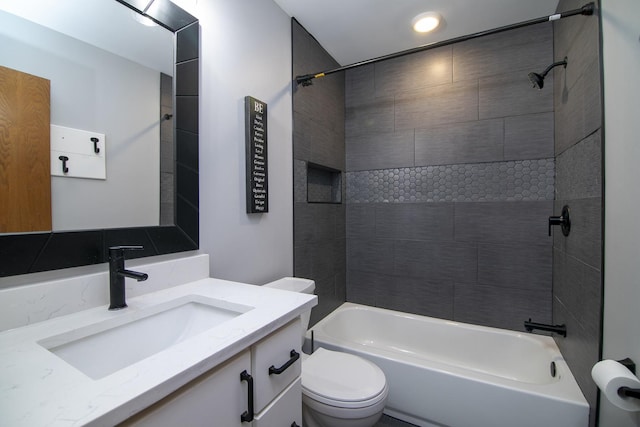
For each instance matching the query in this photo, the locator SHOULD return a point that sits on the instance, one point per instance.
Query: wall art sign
(256, 155)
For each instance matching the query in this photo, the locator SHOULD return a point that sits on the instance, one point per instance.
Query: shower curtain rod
(587, 9)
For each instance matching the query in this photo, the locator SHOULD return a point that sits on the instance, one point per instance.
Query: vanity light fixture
(426, 22)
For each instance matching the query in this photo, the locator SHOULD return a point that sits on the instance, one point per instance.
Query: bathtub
(445, 373)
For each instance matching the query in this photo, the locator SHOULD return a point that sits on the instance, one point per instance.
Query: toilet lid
(342, 379)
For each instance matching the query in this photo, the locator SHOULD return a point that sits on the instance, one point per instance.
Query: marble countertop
(37, 388)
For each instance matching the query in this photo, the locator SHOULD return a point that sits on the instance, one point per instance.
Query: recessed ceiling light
(425, 22)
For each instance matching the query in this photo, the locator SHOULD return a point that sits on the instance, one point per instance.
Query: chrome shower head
(537, 80)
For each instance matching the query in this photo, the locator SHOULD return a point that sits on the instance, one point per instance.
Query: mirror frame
(38, 252)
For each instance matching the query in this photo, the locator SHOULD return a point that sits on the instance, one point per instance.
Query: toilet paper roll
(610, 375)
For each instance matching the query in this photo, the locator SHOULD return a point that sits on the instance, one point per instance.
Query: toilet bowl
(338, 389)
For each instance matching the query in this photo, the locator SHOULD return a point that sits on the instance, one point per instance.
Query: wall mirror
(137, 84)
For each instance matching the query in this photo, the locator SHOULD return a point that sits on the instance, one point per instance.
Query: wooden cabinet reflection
(25, 176)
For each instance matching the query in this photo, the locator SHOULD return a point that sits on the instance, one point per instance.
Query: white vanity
(207, 352)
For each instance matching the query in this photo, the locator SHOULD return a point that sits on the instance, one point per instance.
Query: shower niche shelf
(324, 184)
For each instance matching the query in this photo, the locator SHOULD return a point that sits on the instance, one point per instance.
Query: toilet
(338, 389)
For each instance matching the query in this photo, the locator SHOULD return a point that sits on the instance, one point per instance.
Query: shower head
(537, 80)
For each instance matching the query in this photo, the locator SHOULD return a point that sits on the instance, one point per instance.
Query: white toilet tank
(296, 284)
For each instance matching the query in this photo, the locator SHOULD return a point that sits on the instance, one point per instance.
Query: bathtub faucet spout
(558, 329)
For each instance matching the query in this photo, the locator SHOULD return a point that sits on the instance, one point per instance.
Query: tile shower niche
(324, 184)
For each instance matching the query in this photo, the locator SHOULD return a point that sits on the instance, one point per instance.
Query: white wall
(245, 50)
(621, 56)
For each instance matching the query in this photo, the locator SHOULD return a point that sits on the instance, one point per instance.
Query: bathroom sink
(101, 349)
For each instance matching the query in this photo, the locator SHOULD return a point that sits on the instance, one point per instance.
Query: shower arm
(587, 9)
(555, 64)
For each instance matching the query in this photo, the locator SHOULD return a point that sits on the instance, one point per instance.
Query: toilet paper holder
(628, 391)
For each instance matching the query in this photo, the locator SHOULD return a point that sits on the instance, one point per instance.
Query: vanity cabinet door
(285, 410)
(216, 399)
(277, 362)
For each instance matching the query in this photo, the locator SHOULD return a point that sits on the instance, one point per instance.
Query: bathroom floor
(387, 421)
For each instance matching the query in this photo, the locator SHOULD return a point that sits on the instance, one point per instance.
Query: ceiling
(356, 30)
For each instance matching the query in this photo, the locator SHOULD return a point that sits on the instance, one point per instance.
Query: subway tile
(361, 220)
(325, 287)
(318, 143)
(323, 102)
(324, 221)
(325, 306)
(506, 308)
(528, 48)
(299, 181)
(579, 170)
(581, 351)
(566, 30)
(339, 256)
(301, 137)
(414, 221)
(407, 73)
(449, 103)
(529, 136)
(302, 260)
(341, 220)
(323, 259)
(578, 287)
(374, 116)
(584, 241)
(578, 108)
(359, 85)
(370, 255)
(503, 222)
(436, 261)
(380, 151)
(341, 285)
(580, 46)
(521, 266)
(327, 299)
(419, 296)
(361, 287)
(303, 223)
(470, 142)
(511, 94)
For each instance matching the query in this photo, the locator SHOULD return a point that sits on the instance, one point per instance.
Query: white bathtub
(445, 373)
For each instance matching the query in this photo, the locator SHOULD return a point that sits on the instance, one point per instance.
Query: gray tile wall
(167, 153)
(577, 258)
(450, 180)
(319, 229)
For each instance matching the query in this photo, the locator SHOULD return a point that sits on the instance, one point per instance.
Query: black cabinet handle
(247, 416)
(277, 371)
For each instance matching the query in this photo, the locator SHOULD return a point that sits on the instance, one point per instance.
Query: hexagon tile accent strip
(474, 182)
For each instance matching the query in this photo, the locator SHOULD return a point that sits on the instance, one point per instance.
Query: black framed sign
(256, 155)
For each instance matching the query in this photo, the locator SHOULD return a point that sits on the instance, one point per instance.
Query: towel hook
(64, 160)
(95, 144)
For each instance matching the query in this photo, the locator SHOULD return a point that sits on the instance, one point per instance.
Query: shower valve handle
(563, 221)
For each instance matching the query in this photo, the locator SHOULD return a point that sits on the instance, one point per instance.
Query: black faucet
(558, 329)
(117, 273)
